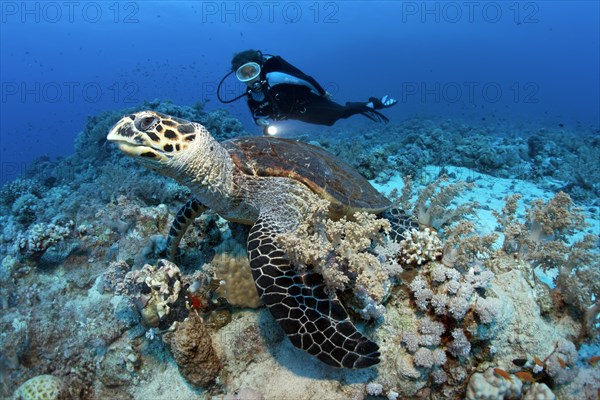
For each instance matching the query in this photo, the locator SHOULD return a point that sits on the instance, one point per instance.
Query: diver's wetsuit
(288, 93)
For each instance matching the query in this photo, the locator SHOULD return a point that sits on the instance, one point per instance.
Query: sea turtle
(268, 183)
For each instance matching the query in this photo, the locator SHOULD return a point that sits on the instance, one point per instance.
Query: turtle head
(174, 147)
(154, 138)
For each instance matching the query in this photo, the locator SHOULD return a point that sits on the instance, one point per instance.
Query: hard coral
(419, 247)
(559, 364)
(538, 391)
(41, 387)
(11, 191)
(230, 265)
(156, 291)
(40, 237)
(192, 349)
(493, 386)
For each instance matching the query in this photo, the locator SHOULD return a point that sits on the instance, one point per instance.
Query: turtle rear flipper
(313, 321)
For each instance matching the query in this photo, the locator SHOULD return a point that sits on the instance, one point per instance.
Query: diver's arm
(278, 64)
(281, 78)
(259, 116)
(262, 122)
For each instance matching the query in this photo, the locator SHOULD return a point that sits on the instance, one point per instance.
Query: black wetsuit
(288, 93)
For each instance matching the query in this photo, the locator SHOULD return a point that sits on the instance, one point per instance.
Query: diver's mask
(248, 72)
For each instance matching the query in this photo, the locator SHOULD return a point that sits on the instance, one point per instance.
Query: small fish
(525, 376)
(519, 361)
(594, 360)
(562, 362)
(538, 361)
(502, 373)
(196, 303)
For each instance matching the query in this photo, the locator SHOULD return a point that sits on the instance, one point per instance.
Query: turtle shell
(321, 171)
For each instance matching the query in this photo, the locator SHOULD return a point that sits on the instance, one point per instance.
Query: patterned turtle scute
(311, 165)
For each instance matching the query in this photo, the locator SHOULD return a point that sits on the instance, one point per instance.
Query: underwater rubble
(493, 296)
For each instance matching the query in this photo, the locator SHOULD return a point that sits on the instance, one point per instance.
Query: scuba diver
(276, 90)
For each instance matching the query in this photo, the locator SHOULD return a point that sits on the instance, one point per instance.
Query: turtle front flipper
(185, 216)
(313, 321)
(400, 223)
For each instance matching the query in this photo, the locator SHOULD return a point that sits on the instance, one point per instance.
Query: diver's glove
(384, 102)
(262, 122)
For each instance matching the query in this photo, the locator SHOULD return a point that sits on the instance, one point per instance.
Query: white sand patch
(490, 192)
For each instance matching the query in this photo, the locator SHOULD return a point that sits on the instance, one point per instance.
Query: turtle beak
(130, 141)
(122, 134)
(122, 131)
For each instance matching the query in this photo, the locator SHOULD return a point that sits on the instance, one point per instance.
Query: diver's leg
(322, 111)
(378, 104)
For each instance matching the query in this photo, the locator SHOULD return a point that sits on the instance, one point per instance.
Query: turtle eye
(146, 123)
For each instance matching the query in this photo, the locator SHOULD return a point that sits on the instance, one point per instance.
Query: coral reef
(419, 247)
(545, 240)
(494, 384)
(544, 154)
(90, 311)
(342, 252)
(192, 349)
(40, 237)
(157, 291)
(230, 266)
(168, 301)
(41, 387)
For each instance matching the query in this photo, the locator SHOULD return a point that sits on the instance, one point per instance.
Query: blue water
(61, 62)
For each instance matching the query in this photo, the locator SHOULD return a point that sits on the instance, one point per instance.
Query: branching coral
(463, 245)
(20, 186)
(543, 240)
(419, 247)
(433, 210)
(342, 251)
(433, 205)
